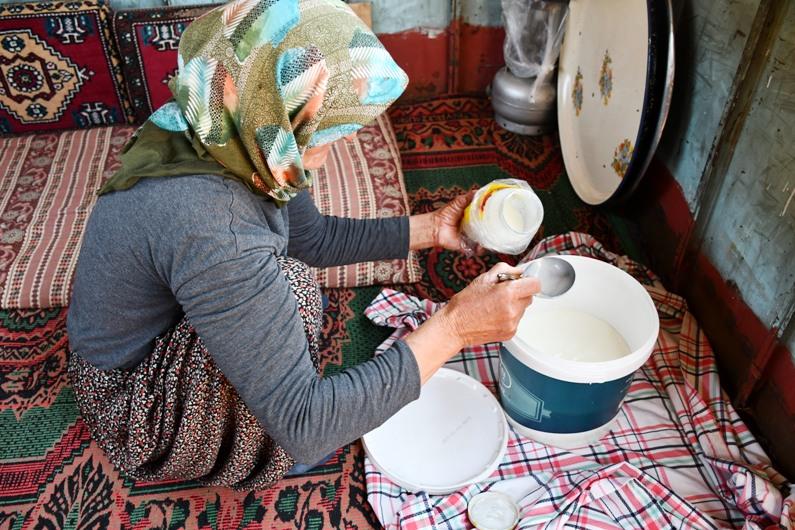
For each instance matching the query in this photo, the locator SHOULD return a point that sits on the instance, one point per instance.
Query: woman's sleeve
(246, 314)
(325, 241)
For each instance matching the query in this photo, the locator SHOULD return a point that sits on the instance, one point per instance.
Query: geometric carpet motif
(37, 81)
(58, 67)
(148, 40)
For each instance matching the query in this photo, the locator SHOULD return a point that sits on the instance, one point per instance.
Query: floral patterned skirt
(175, 415)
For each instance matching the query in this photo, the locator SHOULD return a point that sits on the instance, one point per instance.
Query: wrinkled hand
(487, 311)
(484, 311)
(447, 222)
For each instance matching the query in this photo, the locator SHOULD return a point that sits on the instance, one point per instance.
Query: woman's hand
(448, 222)
(487, 311)
(484, 311)
(440, 228)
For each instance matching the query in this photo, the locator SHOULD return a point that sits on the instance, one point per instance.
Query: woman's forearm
(433, 344)
(440, 228)
(325, 241)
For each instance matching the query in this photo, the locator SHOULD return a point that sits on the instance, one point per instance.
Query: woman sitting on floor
(194, 321)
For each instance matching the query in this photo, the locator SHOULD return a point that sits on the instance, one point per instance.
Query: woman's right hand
(488, 311)
(484, 311)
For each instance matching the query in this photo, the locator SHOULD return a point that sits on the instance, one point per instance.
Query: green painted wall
(747, 218)
(481, 12)
(751, 232)
(710, 38)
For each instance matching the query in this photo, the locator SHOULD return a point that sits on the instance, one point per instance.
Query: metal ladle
(556, 275)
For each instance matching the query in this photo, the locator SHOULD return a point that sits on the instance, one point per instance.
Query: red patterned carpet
(53, 476)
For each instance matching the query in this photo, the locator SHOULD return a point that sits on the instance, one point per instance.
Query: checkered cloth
(678, 455)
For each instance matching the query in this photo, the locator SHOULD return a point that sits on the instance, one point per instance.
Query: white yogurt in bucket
(572, 335)
(566, 372)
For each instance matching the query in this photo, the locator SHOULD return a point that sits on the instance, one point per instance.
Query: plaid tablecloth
(678, 456)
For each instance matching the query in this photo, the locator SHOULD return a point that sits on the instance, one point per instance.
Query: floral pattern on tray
(606, 78)
(621, 157)
(576, 92)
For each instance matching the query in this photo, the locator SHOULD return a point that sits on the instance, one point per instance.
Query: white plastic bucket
(569, 403)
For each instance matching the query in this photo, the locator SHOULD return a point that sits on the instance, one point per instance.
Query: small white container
(503, 216)
(493, 510)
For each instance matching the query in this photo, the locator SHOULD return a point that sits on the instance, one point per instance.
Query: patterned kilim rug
(53, 476)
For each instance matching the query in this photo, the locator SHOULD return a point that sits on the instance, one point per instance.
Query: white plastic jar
(504, 216)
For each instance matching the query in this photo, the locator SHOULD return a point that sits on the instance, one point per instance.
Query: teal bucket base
(568, 440)
(556, 412)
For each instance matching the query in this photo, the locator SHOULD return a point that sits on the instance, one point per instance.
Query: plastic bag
(504, 216)
(533, 36)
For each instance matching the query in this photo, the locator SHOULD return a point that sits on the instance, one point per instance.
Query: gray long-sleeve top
(205, 247)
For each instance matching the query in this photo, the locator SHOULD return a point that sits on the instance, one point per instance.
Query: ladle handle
(506, 276)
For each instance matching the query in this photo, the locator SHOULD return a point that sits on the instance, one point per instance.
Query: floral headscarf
(259, 82)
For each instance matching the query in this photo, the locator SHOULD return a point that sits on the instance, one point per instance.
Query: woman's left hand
(440, 228)
(448, 222)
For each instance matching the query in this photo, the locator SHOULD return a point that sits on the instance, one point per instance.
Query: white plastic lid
(493, 510)
(455, 434)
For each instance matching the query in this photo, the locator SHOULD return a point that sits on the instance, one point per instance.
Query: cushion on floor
(148, 40)
(58, 67)
(363, 179)
(49, 187)
(47, 191)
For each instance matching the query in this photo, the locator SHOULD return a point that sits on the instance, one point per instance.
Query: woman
(194, 319)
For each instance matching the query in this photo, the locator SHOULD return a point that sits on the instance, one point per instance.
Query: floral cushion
(49, 187)
(363, 179)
